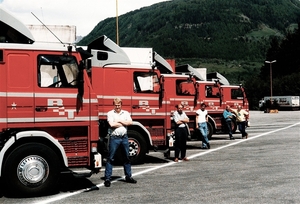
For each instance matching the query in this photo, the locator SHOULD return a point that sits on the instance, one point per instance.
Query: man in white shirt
(241, 118)
(181, 133)
(201, 123)
(118, 120)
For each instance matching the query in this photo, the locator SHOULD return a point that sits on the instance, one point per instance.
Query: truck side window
(184, 87)
(212, 92)
(236, 94)
(57, 71)
(48, 75)
(145, 82)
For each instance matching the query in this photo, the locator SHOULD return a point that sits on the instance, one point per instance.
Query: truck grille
(74, 146)
(78, 161)
(156, 131)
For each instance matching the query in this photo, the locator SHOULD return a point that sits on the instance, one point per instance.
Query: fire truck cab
(134, 75)
(216, 92)
(48, 112)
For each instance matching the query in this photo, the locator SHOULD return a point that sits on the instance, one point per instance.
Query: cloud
(84, 14)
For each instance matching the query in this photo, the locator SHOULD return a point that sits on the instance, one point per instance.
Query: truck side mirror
(80, 86)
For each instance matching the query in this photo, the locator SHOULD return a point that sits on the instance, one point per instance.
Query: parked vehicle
(48, 112)
(282, 102)
(150, 90)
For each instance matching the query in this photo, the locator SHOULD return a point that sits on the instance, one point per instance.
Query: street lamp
(270, 62)
(117, 23)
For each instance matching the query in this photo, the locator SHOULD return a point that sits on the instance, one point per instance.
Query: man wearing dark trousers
(228, 116)
(181, 133)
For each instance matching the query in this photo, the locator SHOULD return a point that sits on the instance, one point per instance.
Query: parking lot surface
(265, 168)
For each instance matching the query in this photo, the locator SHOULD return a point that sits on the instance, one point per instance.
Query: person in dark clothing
(228, 116)
(181, 133)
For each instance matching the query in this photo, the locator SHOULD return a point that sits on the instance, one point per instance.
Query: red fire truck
(215, 91)
(141, 87)
(150, 90)
(48, 112)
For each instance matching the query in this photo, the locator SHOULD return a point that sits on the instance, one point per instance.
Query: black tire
(137, 147)
(210, 130)
(31, 169)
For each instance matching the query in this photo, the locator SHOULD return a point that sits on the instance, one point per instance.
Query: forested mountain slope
(233, 37)
(222, 29)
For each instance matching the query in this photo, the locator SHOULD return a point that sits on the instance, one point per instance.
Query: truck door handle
(135, 106)
(41, 109)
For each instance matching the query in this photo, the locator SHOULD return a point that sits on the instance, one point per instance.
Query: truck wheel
(137, 147)
(31, 169)
(210, 130)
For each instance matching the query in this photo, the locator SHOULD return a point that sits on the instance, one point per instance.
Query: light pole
(117, 23)
(270, 62)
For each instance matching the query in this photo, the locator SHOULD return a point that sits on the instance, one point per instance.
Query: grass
(263, 32)
(235, 71)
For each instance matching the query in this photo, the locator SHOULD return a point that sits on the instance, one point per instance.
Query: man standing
(228, 116)
(118, 120)
(241, 120)
(201, 123)
(181, 133)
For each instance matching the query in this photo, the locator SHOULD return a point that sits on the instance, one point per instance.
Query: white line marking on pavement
(240, 141)
(66, 195)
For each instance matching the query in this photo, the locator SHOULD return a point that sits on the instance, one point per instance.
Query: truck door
(146, 98)
(147, 104)
(56, 94)
(112, 83)
(19, 88)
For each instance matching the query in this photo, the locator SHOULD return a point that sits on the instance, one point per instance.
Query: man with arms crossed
(118, 120)
(181, 133)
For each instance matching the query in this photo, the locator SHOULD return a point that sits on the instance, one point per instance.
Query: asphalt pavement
(265, 168)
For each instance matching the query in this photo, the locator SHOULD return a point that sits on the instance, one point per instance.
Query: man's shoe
(176, 160)
(185, 159)
(247, 136)
(208, 146)
(130, 180)
(232, 138)
(107, 183)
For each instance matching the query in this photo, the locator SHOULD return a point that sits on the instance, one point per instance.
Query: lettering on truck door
(145, 97)
(56, 94)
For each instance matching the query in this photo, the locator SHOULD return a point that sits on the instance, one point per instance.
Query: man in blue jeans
(118, 120)
(201, 123)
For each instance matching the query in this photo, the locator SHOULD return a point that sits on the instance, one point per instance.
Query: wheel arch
(137, 126)
(213, 123)
(32, 136)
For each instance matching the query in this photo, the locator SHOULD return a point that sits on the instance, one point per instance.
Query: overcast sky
(84, 14)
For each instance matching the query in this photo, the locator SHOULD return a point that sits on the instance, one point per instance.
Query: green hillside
(232, 37)
(223, 29)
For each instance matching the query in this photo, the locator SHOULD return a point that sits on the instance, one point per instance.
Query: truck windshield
(57, 71)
